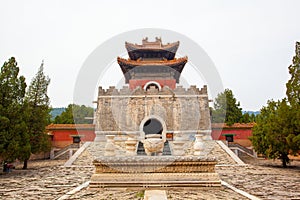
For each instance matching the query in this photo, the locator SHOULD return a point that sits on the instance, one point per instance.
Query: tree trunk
(285, 159)
(284, 163)
(25, 164)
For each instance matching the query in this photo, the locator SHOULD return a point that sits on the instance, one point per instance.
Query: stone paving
(44, 179)
(184, 194)
(204, 193)
(266, 181)
(49, 180)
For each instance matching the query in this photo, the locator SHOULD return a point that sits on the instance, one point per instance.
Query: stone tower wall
(180, 110)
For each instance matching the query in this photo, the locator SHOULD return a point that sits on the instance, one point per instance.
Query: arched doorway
(152, 126)
(152, 83)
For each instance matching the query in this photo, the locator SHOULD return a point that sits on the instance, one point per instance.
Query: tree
(246, 118)
(14, 137)
(37, 115)
(293, 85)
(293, 95)
(277, 132)
(226, 108)
(272, 130)
(75, 114)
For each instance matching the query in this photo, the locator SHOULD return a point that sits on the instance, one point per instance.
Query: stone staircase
(243, 149)
(64, 153)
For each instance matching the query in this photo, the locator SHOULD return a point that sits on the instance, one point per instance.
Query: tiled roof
(234, 126)
(70, 126)
(175, 61)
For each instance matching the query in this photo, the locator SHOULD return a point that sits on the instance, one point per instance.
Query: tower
(153, 115)
(152, 97)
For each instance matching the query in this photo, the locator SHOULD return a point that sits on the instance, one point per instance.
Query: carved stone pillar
(178, 143)
(199, 144)
(109, 146)
(131, 145)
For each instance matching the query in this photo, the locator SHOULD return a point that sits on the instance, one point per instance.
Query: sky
(251, 43)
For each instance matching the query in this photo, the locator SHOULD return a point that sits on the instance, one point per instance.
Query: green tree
(226, 108)
(293, 85)
(246, 118)
(293, 95)
(277, 132)
(14, 138)
(37, 115)
(252, 117)
(75, 114)
(270, 134)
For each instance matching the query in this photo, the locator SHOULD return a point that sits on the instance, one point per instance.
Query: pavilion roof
(152, 49)
(175, 61)
(157, 44)
(127, 66)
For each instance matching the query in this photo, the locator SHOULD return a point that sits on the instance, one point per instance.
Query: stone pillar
(198, 145)
(178, 143)
(109, 147)
(131, 145)
(206, 134)
(100, 136)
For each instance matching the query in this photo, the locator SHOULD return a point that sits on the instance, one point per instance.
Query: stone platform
(154, 172)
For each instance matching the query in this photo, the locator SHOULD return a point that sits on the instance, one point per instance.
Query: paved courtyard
(48, 179)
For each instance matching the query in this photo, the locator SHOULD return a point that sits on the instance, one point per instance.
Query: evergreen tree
(293, 85)
(277, 132)
(75, 114)
(245, 118)
(252, 117)
(226, 108)
(14, 138)
(293, 95)
(37, 113)
(270, 134)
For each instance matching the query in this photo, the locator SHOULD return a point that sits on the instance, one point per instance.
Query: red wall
(241, 136)
(62, 138)
(61, 133)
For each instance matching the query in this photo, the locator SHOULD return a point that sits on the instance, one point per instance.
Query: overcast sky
(250, 42)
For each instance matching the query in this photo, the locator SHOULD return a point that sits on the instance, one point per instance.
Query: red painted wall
(241, 135)
(61, 134)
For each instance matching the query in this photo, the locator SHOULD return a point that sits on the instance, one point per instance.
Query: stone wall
(125, 111)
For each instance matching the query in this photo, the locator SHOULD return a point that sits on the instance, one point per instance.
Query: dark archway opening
(152, 126)
(152, 85)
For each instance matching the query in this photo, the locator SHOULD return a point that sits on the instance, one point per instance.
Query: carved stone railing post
(109, 146)
(131, 145)
(199, 144)
(178, 143)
